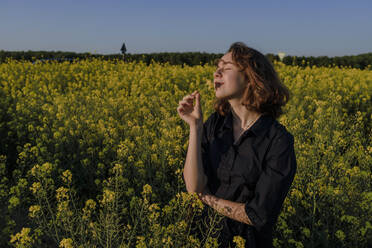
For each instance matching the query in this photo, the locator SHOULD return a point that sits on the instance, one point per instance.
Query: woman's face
(228, 80)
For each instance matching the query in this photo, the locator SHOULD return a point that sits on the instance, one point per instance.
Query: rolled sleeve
(273, 185)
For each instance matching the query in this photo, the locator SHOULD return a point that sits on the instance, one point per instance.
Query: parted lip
(217, 84)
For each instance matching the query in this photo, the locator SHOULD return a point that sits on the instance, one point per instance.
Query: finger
(185, 105)
(197, 102)
(189, 98)
(185, 102)
(180, 109)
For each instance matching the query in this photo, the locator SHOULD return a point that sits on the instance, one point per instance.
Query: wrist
(197, 125)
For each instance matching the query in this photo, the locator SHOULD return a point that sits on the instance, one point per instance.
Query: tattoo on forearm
(233, 210)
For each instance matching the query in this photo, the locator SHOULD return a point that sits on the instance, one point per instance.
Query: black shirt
(258, 170)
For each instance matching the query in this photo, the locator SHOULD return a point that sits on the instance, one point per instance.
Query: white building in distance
(281, 55)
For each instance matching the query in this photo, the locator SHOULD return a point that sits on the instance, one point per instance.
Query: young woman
(241, 161)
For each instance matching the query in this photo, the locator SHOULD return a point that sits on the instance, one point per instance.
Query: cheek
(241, 81)
(235, 81)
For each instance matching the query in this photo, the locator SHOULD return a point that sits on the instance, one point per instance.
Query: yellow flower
(140, 243)
(118, 168)
(108, 196)
(47, 168)
(36, 186)
(147, 189)
(154, 207)
(22, 239)
(66, 243)
(239, 241)
(34, 211)
(67, 176)
(35, 170)
(146, 193)
(167, 241)
(340, 235)
(154, 157)
(90, 206)
(62, 194)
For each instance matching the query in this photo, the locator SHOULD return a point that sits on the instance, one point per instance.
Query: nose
(217, 73)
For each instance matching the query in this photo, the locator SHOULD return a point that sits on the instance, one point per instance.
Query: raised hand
(189, 112)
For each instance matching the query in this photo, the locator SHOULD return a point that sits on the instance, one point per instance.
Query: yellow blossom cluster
(23, 238)
(67, 176)
(34, 211)
(108, 196)
(66, 243)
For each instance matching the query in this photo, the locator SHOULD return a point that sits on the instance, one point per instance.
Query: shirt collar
(258, 128)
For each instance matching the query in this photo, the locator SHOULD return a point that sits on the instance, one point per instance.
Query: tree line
(360, 61)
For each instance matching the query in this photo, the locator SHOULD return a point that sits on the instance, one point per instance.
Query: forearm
(233, 210)
(194, 176)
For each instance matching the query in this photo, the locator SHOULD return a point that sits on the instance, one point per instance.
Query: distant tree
(123, 49)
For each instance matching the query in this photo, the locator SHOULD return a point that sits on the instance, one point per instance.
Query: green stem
(51, 214)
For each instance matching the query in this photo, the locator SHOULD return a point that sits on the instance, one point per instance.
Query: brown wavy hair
(265, 93)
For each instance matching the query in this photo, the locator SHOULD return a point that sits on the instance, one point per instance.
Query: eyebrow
(221, 60)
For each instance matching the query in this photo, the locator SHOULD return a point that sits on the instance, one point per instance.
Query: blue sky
(309, 28)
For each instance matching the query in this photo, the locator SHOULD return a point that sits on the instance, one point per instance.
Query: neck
(241, 114)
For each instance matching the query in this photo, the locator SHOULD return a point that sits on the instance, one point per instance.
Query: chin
(220, 95)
